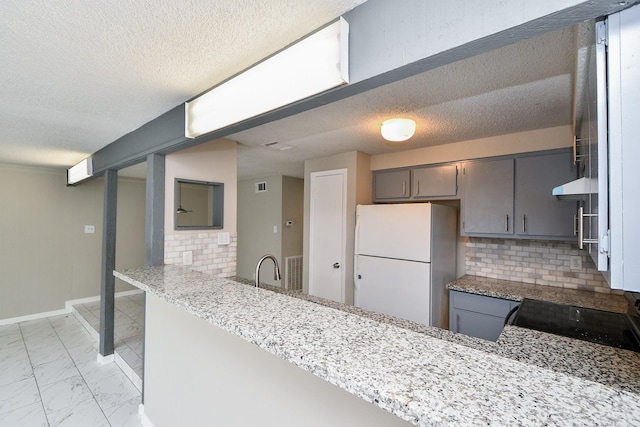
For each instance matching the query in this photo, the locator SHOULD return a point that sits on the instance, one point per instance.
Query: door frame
(312, 177)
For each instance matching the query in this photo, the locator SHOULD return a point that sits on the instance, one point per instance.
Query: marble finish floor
(128, 331)
(49, 376)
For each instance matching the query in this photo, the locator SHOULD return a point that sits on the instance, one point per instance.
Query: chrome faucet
(276, 273)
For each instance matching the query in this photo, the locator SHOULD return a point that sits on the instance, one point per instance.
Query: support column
(154, 225)
(154, 217)
(107, 294)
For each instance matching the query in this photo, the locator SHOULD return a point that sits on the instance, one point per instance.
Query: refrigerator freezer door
(394, 287)
(394, 231)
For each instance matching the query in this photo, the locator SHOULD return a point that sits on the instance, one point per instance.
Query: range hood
(576, 190)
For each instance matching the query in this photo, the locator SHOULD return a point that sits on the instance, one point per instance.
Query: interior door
(327, 234)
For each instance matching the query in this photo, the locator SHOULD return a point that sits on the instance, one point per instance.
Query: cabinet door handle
(404, 188)
(580, 227)
(417, 187)
(457, 323)
(506, 222)
(524, 223)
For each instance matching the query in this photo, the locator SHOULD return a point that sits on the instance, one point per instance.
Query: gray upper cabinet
(417, 183)
(538, 213)
(512, 197)
(487, 200)
(391, 184)
(434, 181)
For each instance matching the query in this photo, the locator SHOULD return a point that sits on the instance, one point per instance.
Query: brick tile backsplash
(208, 256)
(532, 261)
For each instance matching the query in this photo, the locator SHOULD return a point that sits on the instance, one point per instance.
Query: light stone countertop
(517, 291)
(613, 367)
(423, 379)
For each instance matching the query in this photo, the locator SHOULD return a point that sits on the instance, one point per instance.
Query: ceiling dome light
(398, 130)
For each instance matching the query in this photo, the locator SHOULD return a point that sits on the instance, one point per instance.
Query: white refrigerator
(405, 254)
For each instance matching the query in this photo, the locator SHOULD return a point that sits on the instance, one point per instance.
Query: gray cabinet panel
(391, 184)
(487, 204)
(538, 213)
(478, 316)
(434, 181)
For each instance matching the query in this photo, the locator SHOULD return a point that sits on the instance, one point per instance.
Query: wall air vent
(261, 187)
(276, 146)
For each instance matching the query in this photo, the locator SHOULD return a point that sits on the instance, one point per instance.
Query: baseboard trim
(68, 305)
(144, 420)
(105, 360)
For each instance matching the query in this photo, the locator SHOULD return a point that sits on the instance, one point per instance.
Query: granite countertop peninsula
(613, 367)
(421, 378)
(517, 291)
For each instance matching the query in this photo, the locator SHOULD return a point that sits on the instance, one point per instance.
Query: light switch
(89, 229)
(224, 238)
(275, 228)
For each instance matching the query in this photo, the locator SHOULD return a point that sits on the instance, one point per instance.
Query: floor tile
(126, 414)
(93, 372)
(85, 413)
(131, 330)
(47, 353)
(54, 371)
(15, 370)
(10, 336)
(13, 353)
(36, 329)
(65, 393)
(27, 416)
(113, 391)
(18, 394)
(83, 352)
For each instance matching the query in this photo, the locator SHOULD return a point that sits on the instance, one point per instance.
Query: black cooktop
(602, 327)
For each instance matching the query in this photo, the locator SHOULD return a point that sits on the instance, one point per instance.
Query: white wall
(521, 142)
(219, 379)
(45, 256)
(292, 209)
(258, 213)
(358, 192)
(213, 161)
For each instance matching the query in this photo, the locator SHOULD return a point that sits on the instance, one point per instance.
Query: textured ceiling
(523, 86)
(76, 75)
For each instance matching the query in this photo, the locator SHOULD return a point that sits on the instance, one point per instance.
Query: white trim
(144, 420)
(343, 172)
(68, 305)
(128, 370)
(36, 316)
(105, 360)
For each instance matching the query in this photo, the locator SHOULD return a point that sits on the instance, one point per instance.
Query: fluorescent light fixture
(312, 65)
(79, 172)
(397, 130)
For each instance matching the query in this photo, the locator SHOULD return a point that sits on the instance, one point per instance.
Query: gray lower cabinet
(477, 315)
(487, 200)
(391, 185)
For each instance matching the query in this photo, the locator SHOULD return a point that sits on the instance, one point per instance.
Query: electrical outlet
(576, 263)
(224, 238)
(89, 229)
